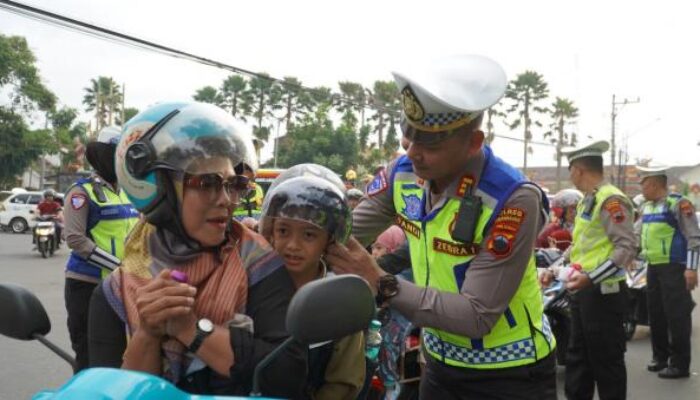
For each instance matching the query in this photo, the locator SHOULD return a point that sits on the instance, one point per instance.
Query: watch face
(205, 325)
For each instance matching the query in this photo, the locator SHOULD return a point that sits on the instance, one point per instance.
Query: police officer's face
(650, 188)
(206, 212)
(445, 159)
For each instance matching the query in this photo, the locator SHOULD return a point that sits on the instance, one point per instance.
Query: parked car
(17, 210)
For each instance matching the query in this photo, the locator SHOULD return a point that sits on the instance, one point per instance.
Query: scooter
(556, 302)
(326, 309)
(636, 312)
(45, 235)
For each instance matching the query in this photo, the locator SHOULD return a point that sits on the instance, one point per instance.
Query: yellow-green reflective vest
(522, 334)
(662, 241)
(254, 202)
(108, 225)
(590, 244)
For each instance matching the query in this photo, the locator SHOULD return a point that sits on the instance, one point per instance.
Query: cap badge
(411, 106)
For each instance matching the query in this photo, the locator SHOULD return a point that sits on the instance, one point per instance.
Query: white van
(17, 210)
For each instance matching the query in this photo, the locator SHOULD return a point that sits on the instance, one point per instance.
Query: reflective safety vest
(662, 241)
(522, 335)
(591, 246)
(254, 202)
(108, 225)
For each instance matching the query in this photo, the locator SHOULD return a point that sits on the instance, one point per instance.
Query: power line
(124, 39)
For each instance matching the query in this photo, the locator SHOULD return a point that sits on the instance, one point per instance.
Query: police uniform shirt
(76, 212)
(684, 212)
(617, 218)
(490, 281)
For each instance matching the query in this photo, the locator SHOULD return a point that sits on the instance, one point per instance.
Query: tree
(563, 112)
(19, 77)
(525, 91)
(104, 98)
(262, 98)
(385, 99)
(232, 91)
(315, 140)
(493, 112)
(129, 113)
(294, 100)
(352, 100)
(208, 94)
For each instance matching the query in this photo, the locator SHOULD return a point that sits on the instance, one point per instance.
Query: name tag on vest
(454, 249)
(407, 226)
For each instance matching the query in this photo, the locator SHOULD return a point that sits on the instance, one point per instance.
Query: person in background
(301, 217)
(558, 232)
(670, 243)
(354, 197)
(198, 300)
(250, 205)
(50, 207)
(98, 218)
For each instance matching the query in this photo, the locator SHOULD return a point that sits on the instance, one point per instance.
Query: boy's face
(301, 244)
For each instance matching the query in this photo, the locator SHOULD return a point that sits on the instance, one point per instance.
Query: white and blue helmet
(170, 137)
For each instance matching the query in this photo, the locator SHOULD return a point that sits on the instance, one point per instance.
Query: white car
(17, 210)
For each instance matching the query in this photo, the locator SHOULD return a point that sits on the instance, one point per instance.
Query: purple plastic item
(179, 276)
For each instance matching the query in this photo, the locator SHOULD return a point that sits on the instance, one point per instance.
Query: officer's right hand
(161, 299)
(546, 278)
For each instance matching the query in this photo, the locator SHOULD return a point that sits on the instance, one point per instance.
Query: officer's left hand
(691, 279)
(352, 258)
(578, 281)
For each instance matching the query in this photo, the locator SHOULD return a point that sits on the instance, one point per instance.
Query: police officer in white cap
(670, 243)
(98, 217)
(471, 221)
(603, 243)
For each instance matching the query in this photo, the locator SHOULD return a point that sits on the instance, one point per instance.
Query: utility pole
(613, 115)
(123, 101)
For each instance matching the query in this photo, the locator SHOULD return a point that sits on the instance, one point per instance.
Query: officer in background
(603, 243)
(98, 218)
(670, 243)
(251, 204)
(471, 221)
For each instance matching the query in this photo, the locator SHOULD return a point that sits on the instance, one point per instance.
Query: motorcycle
(45, 235)
(556, 302)
(636, 312)
(326, 309)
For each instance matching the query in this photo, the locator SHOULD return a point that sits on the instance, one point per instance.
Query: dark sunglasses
(213, 183)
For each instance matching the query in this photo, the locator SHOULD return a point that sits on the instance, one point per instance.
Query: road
(28, 367)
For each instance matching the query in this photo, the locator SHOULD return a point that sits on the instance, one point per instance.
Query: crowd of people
(182, 266)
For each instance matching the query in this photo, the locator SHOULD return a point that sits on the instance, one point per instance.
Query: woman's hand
(163, 299)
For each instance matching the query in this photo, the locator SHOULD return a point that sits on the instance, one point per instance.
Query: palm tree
(208, 94)
(563, 112)
(526, 90)
(104, 97)
(232, 90)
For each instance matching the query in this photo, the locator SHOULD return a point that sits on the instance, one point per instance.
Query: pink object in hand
(179, 276)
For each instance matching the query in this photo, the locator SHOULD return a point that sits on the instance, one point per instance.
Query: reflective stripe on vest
(662, 241)
(108, 225)
(521, 335)
(242, 211)
(590, 246)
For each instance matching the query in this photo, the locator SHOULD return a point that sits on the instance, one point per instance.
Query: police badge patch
(411, 106)
(77, 201)
(378, 184)
(412, 209)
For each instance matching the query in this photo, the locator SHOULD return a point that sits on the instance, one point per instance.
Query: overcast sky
(586, 50)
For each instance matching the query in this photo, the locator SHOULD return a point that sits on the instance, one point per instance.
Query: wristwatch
(204, 328)
(388, 288)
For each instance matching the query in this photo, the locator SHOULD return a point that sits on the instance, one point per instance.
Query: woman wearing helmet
(194, 285)
(302, 215)
(558, 232)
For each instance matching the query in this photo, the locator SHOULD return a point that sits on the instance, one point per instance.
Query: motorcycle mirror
(330, 308)
(21, 313)
(322, 310)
